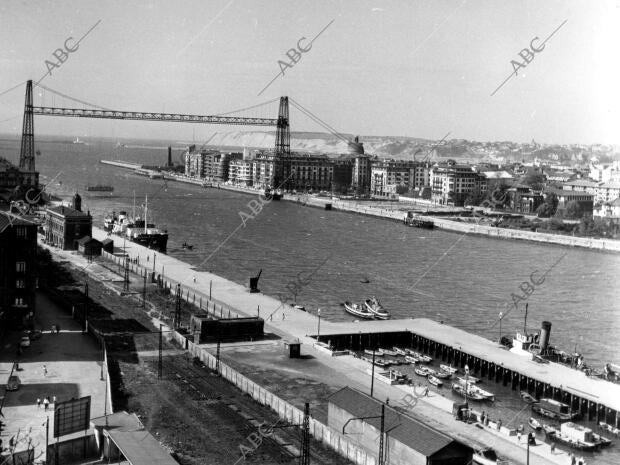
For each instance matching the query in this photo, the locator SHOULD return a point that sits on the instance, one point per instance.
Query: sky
(394, 68)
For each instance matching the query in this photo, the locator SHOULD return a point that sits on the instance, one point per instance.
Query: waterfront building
(452, 182)
(18, 250)
(195, 162)
(217, 165)
(361, 173)
(241, 171)
(342, 174)
(357, 417)
(264, 170)
(65, 226)
(307, 172)
(386, 176)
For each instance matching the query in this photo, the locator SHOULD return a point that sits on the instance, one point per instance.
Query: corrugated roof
(140, 447)
(405, 429)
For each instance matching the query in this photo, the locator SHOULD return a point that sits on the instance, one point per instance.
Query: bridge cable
(319, 121)
(248, 108)
(72, 98)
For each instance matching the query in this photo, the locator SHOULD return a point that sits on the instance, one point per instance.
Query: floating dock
(595, 398)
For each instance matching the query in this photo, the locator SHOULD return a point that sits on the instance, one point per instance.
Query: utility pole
(126, 277)
(177, 308)
(47, 435)
(525, 321)
(372, 377)
(144, 291)
(160, 349)
(304, 458)
(86, 307)
(217, 355)
(381, 458)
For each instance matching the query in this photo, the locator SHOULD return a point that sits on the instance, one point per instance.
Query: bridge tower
(283, 147)
(26, 154)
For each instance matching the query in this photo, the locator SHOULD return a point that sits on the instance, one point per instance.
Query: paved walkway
(62, 365)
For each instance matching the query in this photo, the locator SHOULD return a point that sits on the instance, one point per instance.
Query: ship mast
(134, 207)
(146, 207)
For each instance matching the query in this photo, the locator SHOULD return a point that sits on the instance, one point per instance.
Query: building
(195, 163)
(207, 164)
(609, 209)
(89, 246)
(306, 172)
(386, 176)
(408, 440)
(605, 173)
(18, 255)
(241, 172)
(342, 174)
(585, 200)
(522, 199)
(362, 166)
(65, 226)
(581, 185)
(607, 192)
(264, 170)
(451, 183)
(11, 176)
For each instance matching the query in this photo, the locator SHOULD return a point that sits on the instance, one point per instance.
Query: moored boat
(399, 351)
(551, 408)
(528, 398)
(374, 307)
(421, 371)
(421, 358)
(392, 353)
(468, 379)
(411, 359)
(460, 390)
(357, 310)
(449, 368)
(576, 437)
(487, 456)
(442, 374)
(534, 424)
(473, 389)
(377, 353)
(435, 381)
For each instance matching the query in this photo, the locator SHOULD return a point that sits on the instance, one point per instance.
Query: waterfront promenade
(289, 323)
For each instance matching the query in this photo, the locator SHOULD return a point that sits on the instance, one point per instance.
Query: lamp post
(318, 337)
(466, 388)
(501, 315)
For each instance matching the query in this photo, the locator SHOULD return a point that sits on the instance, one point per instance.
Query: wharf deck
(568, 379)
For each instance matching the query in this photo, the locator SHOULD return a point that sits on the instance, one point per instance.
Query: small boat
(601, 440)
(442, 374)
(473, 389)
(435, 381)
(468, 379)
(299, 307)
(487, 456)
(364, 281)
(374, 307)
(528, 398)
(551, 408)
(399, 351)
(421, 371)
(534, 424)
(460, 390)
(411, 359)
(377, 353)
(609, 428)
(392, 353)
(357, 310)
(449, 369)
(421, 358)
(187, 246)
(382, 363)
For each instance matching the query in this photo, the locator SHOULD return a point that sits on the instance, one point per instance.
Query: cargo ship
(99, 188)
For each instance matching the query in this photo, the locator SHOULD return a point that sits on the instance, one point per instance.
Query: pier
(594, 398)
(122, 164)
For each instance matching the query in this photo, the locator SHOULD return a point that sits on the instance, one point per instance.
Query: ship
(100, 188)
(418, 222)
(374, 307)
(555, 410)
(78, 141)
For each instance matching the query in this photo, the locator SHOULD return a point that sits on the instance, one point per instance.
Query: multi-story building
(195, 162)
(607, 192)
(264, 170)
(18, 250)
(581, 185)
(452, 182)
(361, 173)
(342, 174)
(307, 172)
(212, 165)
(64, 226)
(241, 172)
(387, 175)
(585, 200)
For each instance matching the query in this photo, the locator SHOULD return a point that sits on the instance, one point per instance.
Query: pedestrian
(573, 460)
(46, 403)
(519, 437)
(38, 402)
(194, 277)
(482, 417)
(54, 400)
(552, 448)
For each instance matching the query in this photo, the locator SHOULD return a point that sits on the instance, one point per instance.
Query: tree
(535, 180)
(474, 198)
(573, 209)
(549, 206)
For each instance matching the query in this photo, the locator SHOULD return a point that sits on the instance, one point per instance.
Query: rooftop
(409, 431)
(66, 211)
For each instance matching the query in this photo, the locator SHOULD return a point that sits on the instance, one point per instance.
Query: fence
(211, 306)
(73, 450)
(328, 436)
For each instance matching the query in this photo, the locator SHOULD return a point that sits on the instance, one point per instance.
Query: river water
(326, 257)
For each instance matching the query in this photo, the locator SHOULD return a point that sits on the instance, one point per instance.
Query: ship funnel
(545, 333)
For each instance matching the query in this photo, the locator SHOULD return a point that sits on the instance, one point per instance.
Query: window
(20, 284)
(21, 232)
(20, 267)
(19, 301)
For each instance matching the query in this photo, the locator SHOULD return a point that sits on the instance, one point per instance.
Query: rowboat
(411, 359)
(448, 369)
(435, 381)
(373, 306)
(357, 310)
(460, 390)
(473, 389)
(527, 397)
(534, 424)
(442, 374)
(378, 352)
(399, 351)
(392, 353)
(421, 371)
(421, 358)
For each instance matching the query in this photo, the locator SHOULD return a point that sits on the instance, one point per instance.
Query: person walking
(46, 403)
(519, 437)
(38, 402)
(44, 370)
(54, 400)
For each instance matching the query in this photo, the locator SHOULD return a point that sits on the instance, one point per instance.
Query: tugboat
(461, 391)
(146, 234)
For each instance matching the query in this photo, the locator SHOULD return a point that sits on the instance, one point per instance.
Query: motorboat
(374, 307)
(421, 358)
(460, 390)
(376, 353)
(299, 307)
(399, 351)
(435, 381)
(449, 369)
(357, 310)
(528, 398)
(487, 456)
(468, 379)
(473, 389)
(609, 428)
(534, 424)
(551, 408)
(442, 374)
(187, 246)
(392, 353)
(411, 359)
(421, 371)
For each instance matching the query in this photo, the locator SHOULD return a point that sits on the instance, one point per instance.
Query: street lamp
(318, 337)
(501, 315)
